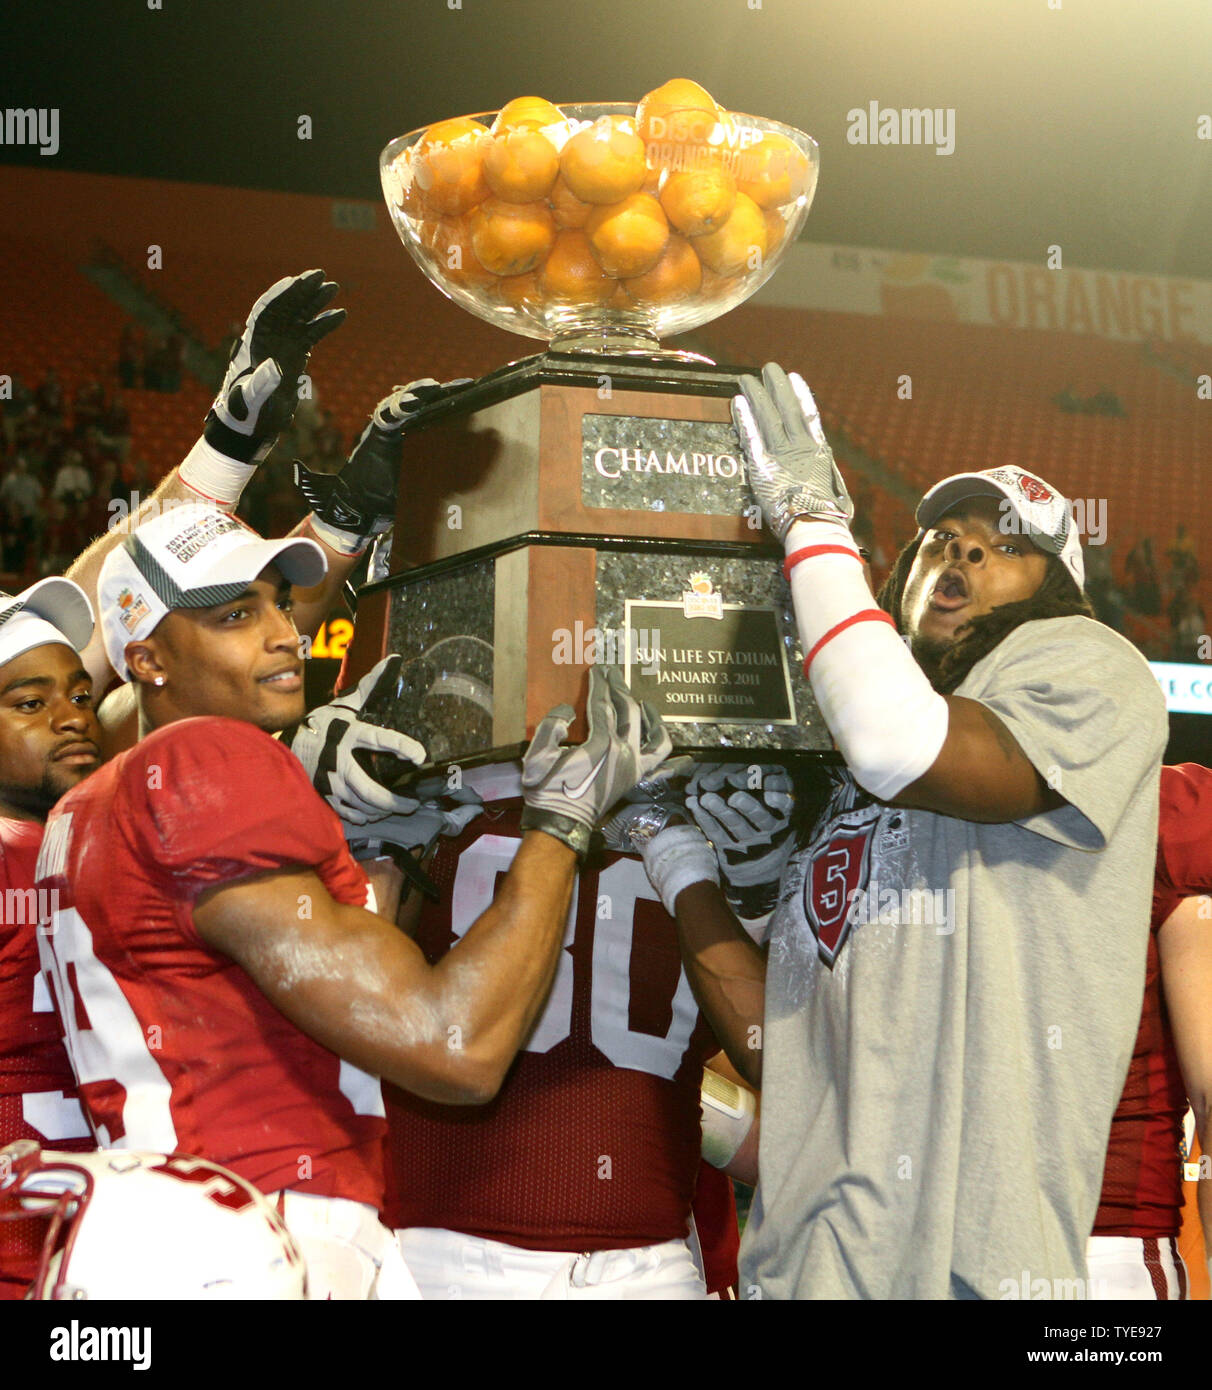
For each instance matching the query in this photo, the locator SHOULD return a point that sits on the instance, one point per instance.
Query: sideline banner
(1004, 294)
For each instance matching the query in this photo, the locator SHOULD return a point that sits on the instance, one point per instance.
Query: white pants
(448, 1264)
(348, 1251)
(1135, 1268)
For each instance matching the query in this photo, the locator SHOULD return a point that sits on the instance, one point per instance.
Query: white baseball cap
(1042, 513)
(53, 610)
(192, 556)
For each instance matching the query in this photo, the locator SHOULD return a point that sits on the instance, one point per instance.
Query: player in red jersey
(48, 743)
(222, 988)
(1133, 1250)
(579, 1180)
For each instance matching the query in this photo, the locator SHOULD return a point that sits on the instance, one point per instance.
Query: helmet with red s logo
(124, 1224)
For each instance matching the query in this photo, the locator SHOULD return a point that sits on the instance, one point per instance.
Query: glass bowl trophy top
(678, 220)
(548, 521)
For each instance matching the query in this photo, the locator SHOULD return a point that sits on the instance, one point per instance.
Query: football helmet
(130, 1225)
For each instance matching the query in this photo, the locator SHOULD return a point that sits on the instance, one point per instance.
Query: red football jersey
(173, 1045)
(593, 1142)
(37, 1089)
(1142, 1180)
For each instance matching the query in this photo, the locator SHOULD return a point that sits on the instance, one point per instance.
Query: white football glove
(568, 789)
(789, 463)
(327, 740)
(750, 830)
(439, 812)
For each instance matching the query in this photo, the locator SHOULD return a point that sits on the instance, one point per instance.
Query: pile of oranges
(674, 202)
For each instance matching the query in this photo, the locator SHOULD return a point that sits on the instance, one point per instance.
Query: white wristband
(679, 856)
(888, 720)
(213, 476)
(729, 1111)
(343, 542)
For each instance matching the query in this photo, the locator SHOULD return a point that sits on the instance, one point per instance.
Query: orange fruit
(676, 276)
(571, 271)
(774, 171)
(520, 291)
(628, 236)
(527, 113)
(520, 165)
(776, 230)
(697, 203)
(603, 163)
(739, 245)
(717, 286)
(511, 238)
(448, 162)
(679, 111)
(408, 199)
(447, 242)
(569, 211)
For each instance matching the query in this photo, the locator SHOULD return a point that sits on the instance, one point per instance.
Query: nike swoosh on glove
(261, 387)
(329, 738)
(568, 789)
(750, 828)
(359, 503)
(789, 464)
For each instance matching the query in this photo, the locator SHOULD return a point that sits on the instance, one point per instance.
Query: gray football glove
(789, 462)
(261, 388)
(438, 812)
(750, 830)
(568, 789)
(328, 739)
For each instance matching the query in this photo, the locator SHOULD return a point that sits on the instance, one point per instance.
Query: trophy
(588, 503)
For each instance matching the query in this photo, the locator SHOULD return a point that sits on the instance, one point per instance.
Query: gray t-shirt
(941, 1065)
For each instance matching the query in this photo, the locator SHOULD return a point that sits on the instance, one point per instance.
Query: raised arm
(902, 740)
(356, 984)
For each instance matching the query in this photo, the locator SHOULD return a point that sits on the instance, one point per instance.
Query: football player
(49, 741)
(975, 890)
(581, 1179)
(1133, 1252)
(223, 989)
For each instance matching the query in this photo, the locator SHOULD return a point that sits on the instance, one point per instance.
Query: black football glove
(350, 508)
(261, 388)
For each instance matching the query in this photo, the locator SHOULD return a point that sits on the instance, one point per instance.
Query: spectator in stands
(1106, 597)
(115, 426)
(1105, 402)
(21, 493)
(88, 405)
(49, 396)
(1145, 591)
(72, 481)
(1187, 626)
(1184, 568)
(129, 352)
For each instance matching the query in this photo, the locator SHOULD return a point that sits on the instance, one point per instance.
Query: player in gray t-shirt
(956, 959)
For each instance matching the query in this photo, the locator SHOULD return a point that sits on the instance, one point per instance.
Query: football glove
(790, 465)
(568, 789)
(750, 830)
(261, 388)
(350, 508)
(439, 812)
(331, 736)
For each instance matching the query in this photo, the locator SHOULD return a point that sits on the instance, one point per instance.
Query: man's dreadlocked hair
(1057, 597)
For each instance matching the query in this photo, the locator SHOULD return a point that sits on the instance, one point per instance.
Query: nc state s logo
(838, 867)
(1034, 489)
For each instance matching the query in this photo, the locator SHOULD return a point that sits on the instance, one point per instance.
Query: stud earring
(158, 681)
